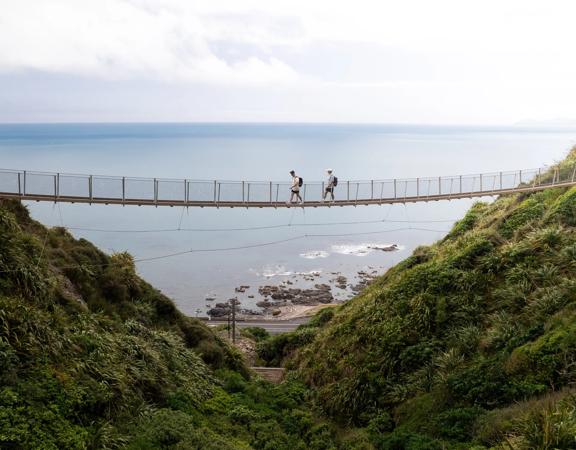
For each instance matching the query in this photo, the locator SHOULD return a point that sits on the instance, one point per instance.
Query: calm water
(265, 152)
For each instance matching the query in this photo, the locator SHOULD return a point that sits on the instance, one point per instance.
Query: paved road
(272, 326)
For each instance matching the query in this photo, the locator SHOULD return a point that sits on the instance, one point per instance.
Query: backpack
(335, 183)
(300, 181)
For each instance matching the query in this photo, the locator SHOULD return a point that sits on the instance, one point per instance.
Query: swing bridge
(121, 190)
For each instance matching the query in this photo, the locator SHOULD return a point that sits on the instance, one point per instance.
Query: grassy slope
(91, 356)
(471, 340)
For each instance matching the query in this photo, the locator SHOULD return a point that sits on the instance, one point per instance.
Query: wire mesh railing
(114, 189)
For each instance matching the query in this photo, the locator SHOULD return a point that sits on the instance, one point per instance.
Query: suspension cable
(249, 246)
(254, 228)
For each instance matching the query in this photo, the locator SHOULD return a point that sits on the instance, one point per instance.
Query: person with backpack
(297, 183)
(330, 185)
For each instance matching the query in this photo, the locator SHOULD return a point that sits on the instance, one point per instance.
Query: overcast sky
(401, 61)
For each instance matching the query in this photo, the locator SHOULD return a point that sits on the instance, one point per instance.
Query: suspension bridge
(122, 190)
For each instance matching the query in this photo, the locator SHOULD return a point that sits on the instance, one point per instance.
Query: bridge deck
(72, 188)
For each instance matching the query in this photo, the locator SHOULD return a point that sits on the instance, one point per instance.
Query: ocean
(321, 244)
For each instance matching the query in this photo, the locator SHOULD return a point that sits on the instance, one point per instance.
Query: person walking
(330, 185)
(295, 187)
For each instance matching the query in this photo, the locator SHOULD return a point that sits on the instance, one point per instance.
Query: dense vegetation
(468, 343)
(91, 356)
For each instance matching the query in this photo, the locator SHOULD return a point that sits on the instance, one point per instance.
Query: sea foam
(358, 249)
(315, 254)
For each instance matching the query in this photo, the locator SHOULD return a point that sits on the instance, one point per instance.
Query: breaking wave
(315, 254)
(280, 271)
(363, 249)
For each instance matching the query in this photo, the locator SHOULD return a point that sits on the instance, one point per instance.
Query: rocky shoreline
(283, 299)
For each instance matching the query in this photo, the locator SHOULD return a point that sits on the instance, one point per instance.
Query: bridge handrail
(41, 185)
(208, 180)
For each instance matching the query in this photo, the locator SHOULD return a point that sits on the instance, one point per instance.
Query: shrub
(486, 384)
(457, 424)
(258, 334)
(194, 332)
(528, 211)
(548, 359)
(405, 440)
(275, 349)
(322, 317)
(380, 424)
(298, 422)
(232, 381)
(32, 418)
(498, 425)
(564, 208)
(242, 415)
(267, 435)
(211, 353)
(174, 429)
(289, 395)
(468, 222)
(546, 302)
(21, 261)
(551, 427)
(465, 339)
(320, 437)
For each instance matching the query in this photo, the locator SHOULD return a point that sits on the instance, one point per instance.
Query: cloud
(124, 39)
(285, 41)
(366, 60)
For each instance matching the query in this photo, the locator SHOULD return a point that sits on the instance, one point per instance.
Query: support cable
(249, 246)
(255, 228)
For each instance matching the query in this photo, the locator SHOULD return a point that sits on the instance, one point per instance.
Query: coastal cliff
(92, 356)
(470, 341)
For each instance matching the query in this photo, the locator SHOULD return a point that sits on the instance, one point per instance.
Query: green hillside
(470, 341)
(91, 356)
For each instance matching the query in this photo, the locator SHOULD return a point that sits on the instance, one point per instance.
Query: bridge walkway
(112, 190)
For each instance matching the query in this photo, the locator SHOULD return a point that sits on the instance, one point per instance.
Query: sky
(405, 61)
